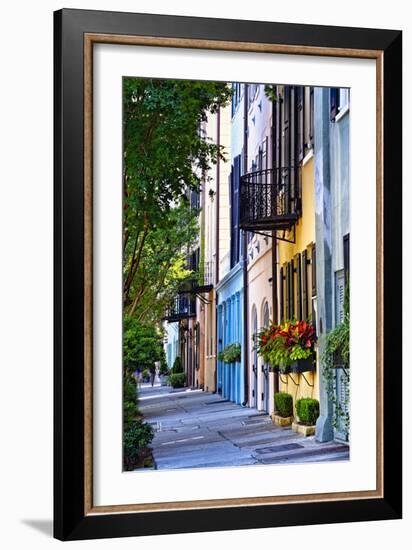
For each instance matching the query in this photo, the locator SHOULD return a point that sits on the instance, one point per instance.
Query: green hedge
(307, 410)
(284, 404)
(136, 437)
(177, 380)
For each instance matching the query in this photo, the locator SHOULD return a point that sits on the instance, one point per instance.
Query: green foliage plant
(231, 353)
(284, 404)
(165, 157)
(177, 380)
(142, 344)
(307, 410)
(336, 353)
(136, 438)
(177, 367)
(282, 344)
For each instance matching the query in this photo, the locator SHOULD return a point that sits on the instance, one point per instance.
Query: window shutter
(293, 145)
(298, 261)
(339, 296)
(281, 297)
(313, 262)
(292, 290)
(278, 130)
(346, 257)
(234, 212)
(232, 224)
(300, 124)
(288, 291)
(311, 116)
(286, 126)
(304, 274)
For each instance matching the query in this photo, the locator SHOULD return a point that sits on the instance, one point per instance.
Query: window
(237, 92)
(346, 257)
(339, 295)
(234, 182)
(252, 91)
(339, 101)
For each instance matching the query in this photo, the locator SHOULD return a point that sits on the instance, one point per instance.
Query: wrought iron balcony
(182, 307)
(270, 199)
(201, 280)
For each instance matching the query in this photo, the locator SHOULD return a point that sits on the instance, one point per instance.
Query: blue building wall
(230, 377)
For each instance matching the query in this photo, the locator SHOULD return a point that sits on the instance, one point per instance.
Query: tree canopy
(165, 156)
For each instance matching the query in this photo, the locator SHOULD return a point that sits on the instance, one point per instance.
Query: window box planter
(280, 370)
(303, 365)
(338, 362)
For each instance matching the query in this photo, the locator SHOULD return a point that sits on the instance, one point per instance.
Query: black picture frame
(71, 522)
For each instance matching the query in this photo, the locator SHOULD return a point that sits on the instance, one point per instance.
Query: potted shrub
(177, 366)
(307, 412)
(177, 380)
(289, 346)
(283, 415)
(163, 373)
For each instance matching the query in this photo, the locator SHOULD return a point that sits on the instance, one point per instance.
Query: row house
(273, 243)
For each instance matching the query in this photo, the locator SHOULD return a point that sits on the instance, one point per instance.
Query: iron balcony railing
(182, 307)
(270, 199)
(201, 280)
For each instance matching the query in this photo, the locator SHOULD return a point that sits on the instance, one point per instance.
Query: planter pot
(163, 379)
(282, 420)
(303, 365)
(303, 429)
(279, 370)
(338, 361)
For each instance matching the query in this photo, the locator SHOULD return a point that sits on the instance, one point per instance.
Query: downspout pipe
(217, 257)
(244, 260)
(274, 247)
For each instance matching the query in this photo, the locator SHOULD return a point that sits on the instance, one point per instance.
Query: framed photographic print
(227, 274)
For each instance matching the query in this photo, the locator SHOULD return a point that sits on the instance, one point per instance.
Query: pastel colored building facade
(273, 245)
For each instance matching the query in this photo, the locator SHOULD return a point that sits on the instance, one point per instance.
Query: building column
(324, 425)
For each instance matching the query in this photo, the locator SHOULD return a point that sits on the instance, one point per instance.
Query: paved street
(195, 429)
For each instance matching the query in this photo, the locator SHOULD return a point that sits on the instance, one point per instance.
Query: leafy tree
(165, 155)
(142, 345)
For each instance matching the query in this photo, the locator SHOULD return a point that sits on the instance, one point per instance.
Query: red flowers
(287, 341)
(300, 333)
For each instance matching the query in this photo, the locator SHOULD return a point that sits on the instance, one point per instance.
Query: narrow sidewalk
(196, 429)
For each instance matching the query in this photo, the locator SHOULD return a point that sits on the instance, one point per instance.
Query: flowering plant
(231, 354)
(282, 344)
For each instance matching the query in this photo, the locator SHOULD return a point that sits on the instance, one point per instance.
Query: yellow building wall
(295, 384)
